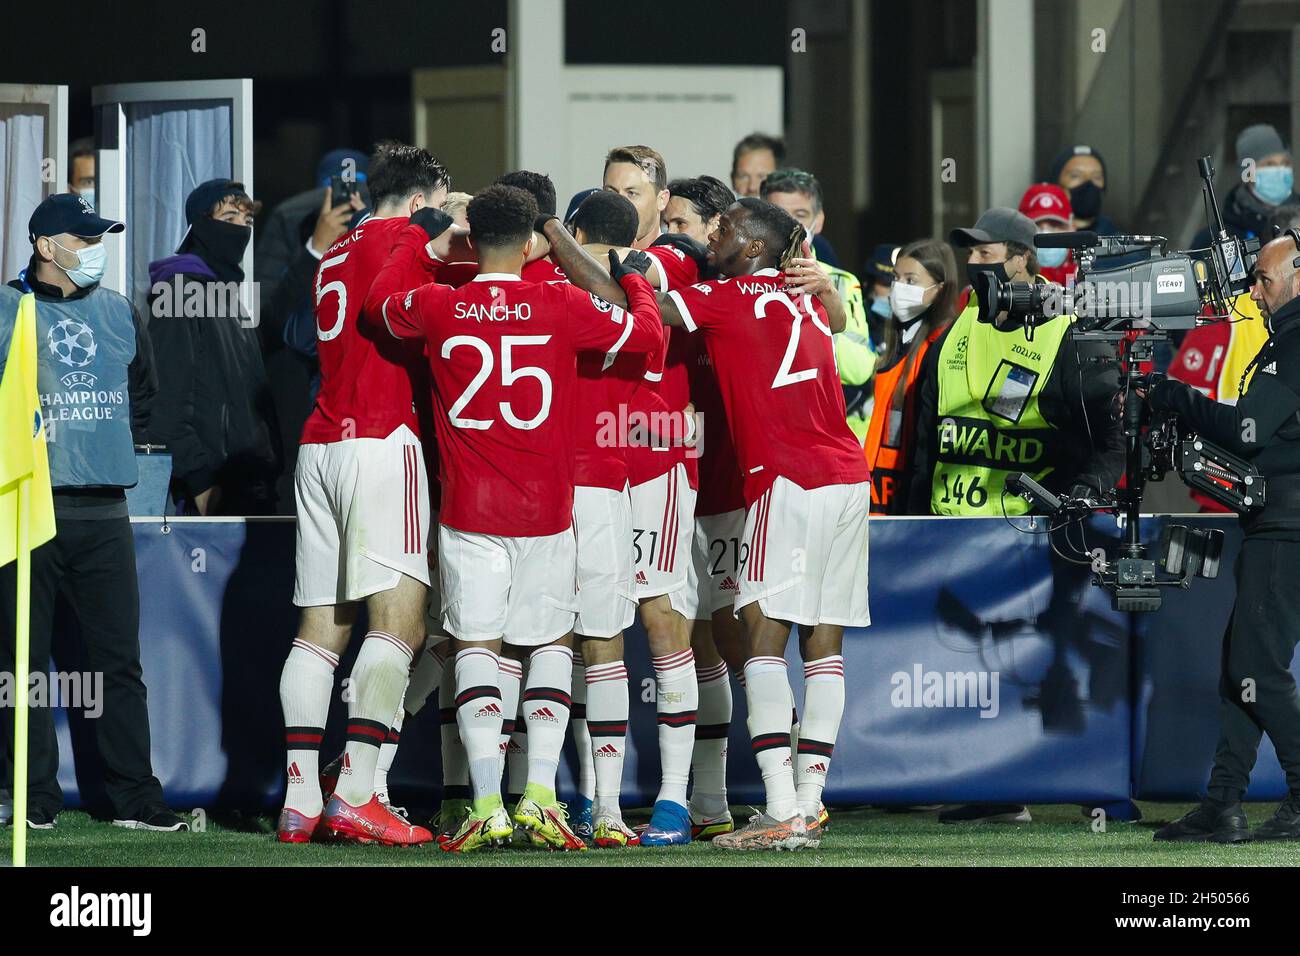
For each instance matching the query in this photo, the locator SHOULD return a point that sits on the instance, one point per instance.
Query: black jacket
(1076, 399)
(1262, 427)
(214, 409)
(1244, 215)
(142, 377)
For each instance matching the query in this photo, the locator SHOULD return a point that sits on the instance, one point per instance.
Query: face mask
(907, 301)
(880, 307)
(222, 243)
(1273, 184)
(90, 264)
(1085, 198)
(89, 196)
(1052, 258)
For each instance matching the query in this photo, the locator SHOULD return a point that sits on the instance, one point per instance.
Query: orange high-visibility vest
(888, 445)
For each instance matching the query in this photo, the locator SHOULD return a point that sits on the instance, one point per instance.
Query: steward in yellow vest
(993, 401)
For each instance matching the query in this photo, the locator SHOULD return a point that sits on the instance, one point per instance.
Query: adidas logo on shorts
(729, 584)
(489, 710)
(544, 713)
(641, 578)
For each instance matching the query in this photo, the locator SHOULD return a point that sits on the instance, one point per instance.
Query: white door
(33, 163)
(155, 142)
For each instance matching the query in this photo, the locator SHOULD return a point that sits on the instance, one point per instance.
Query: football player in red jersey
(502, 354)
(361, 452)
(663, 483)
(694, 208)
(806, 487)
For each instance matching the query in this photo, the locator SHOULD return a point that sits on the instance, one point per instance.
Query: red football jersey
(503, 354)
(669, 376)
(776, 370)
(542, 270)
(368, 382)
(721, 489)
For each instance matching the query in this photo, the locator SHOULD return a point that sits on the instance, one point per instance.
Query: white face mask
(90, 264)
(907, 301)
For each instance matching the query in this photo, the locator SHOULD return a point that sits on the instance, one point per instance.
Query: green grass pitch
(1059, 836)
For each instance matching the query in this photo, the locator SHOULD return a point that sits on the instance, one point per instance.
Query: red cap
(1046, 201)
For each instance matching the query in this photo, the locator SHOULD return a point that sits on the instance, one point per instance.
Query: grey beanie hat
(1256, 142)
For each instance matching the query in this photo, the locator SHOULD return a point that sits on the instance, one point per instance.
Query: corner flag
(26, 520)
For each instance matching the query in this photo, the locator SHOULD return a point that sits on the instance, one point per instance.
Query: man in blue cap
(214, 404)
(96, 382)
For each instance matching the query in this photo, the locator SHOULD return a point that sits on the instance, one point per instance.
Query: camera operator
(1256, 688)
(993, 401)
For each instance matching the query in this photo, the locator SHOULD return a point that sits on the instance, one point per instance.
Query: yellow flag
(22, 439)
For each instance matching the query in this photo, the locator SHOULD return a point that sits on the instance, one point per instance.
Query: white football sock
(709, 760)
(378, 681)
(677, 698)
(581, 733)
(455, 768)
(547, 700)
(510, 677)
(823, 708)
(478, 714)
(387, 752)
(767, 691)
(426, 676)
(607, 710)
(306, 683)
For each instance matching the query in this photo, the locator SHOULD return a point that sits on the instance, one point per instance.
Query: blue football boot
(670, 825)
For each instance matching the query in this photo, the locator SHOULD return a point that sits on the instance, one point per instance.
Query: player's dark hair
(782, 234)
(606, 217)
(501, 216)
(758, 141)
(709, 197)
(539, 184)
(793, 181)
(649, 160)
(398, 171)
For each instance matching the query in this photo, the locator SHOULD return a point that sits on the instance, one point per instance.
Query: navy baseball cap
(332, 164)
(881, 264)
(204, 196)
(576, 201)
(68, 212)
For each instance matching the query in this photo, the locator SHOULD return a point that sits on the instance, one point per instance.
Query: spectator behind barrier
(1081, 172)
(81, 169)
(1267, 182)
(214, 410)
(923, 300)
(800, 194)
(1047, 205)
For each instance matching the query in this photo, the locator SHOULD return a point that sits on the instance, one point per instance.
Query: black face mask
(221, 245)
(1086, 200)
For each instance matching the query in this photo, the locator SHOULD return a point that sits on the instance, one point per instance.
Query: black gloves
(434, 222)
(539, 224)
(637, 263)
(688, 246)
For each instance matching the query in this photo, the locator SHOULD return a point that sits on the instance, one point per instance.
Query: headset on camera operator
(1257, 690)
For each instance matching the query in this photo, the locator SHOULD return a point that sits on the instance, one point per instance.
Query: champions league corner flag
(26, 519)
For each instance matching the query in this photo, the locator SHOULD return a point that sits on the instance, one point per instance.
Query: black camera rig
(1133, 293)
